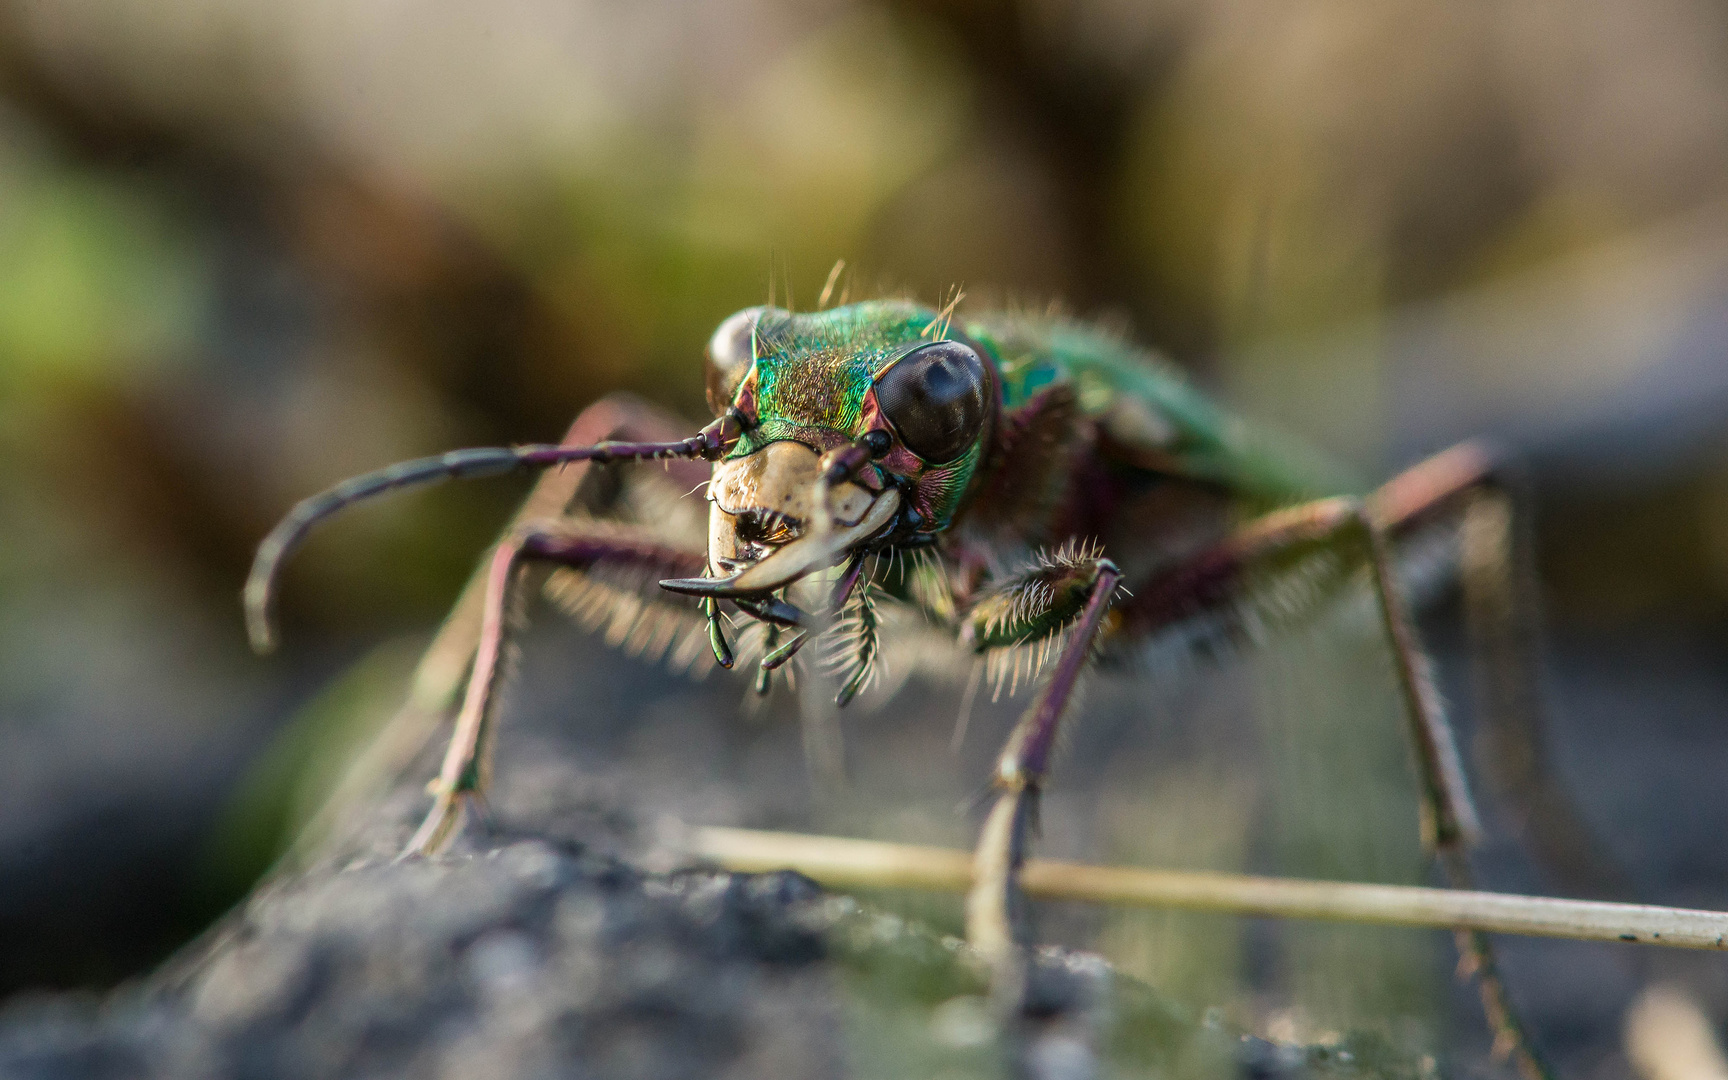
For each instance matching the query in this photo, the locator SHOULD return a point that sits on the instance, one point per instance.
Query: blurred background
(248, 248)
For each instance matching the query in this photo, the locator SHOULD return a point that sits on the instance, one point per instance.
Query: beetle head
(863, 426)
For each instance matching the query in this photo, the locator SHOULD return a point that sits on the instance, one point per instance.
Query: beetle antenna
(710, 443)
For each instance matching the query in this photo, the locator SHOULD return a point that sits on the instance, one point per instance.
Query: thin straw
(845, 863)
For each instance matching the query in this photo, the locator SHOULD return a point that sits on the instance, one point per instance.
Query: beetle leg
(1349, 527)
(438, 679)
(1444, 779)
(1347, 536)
(994, 907)
(466, 768)
(1477, 492)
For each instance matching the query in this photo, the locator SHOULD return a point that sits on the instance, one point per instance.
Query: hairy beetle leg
(437, 681)
(995, 906)
(1359, 530)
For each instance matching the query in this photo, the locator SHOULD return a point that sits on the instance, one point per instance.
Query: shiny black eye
(730, 354)
(935, 398)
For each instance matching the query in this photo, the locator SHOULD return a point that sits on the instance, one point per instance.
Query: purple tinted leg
(1449, 820)
(993, 907)
(1212, 579)
(439, 676)
(1473, 490)
(466, 769)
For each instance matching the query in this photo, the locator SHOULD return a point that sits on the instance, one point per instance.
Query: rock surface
(557, 940)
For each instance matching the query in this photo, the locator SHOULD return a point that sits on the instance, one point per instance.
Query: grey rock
(562, 936)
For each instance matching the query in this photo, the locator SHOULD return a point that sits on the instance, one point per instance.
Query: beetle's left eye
(935, 398)
(731, 351)
(730, 347)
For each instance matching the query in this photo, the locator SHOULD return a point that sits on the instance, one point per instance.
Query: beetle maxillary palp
(717, 633)
(786, 651)
(843, 463)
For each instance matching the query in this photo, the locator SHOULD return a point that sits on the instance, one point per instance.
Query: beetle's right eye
(731, 351)
(935, 396)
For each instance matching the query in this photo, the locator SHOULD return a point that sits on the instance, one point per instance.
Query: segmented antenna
(260, 591)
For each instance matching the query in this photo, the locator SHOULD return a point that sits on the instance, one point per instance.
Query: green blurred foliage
(99, 284)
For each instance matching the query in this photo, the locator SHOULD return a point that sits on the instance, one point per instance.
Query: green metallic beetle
(1073, 499)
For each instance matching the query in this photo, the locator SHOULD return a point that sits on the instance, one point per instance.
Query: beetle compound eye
(934, 397)
(731, 351)
(730, 347)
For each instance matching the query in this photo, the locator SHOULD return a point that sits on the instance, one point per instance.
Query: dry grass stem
(845, 863)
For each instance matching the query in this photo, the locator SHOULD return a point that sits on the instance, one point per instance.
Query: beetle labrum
(1074, 499)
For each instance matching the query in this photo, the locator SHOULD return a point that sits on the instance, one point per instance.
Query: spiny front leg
(1033, 606)
(467, 766)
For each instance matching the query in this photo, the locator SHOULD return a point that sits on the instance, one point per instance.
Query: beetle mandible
(1074, 497)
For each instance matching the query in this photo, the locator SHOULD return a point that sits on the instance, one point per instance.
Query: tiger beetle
(1072, 499)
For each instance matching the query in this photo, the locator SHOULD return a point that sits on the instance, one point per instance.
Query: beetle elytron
(1066, 490)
